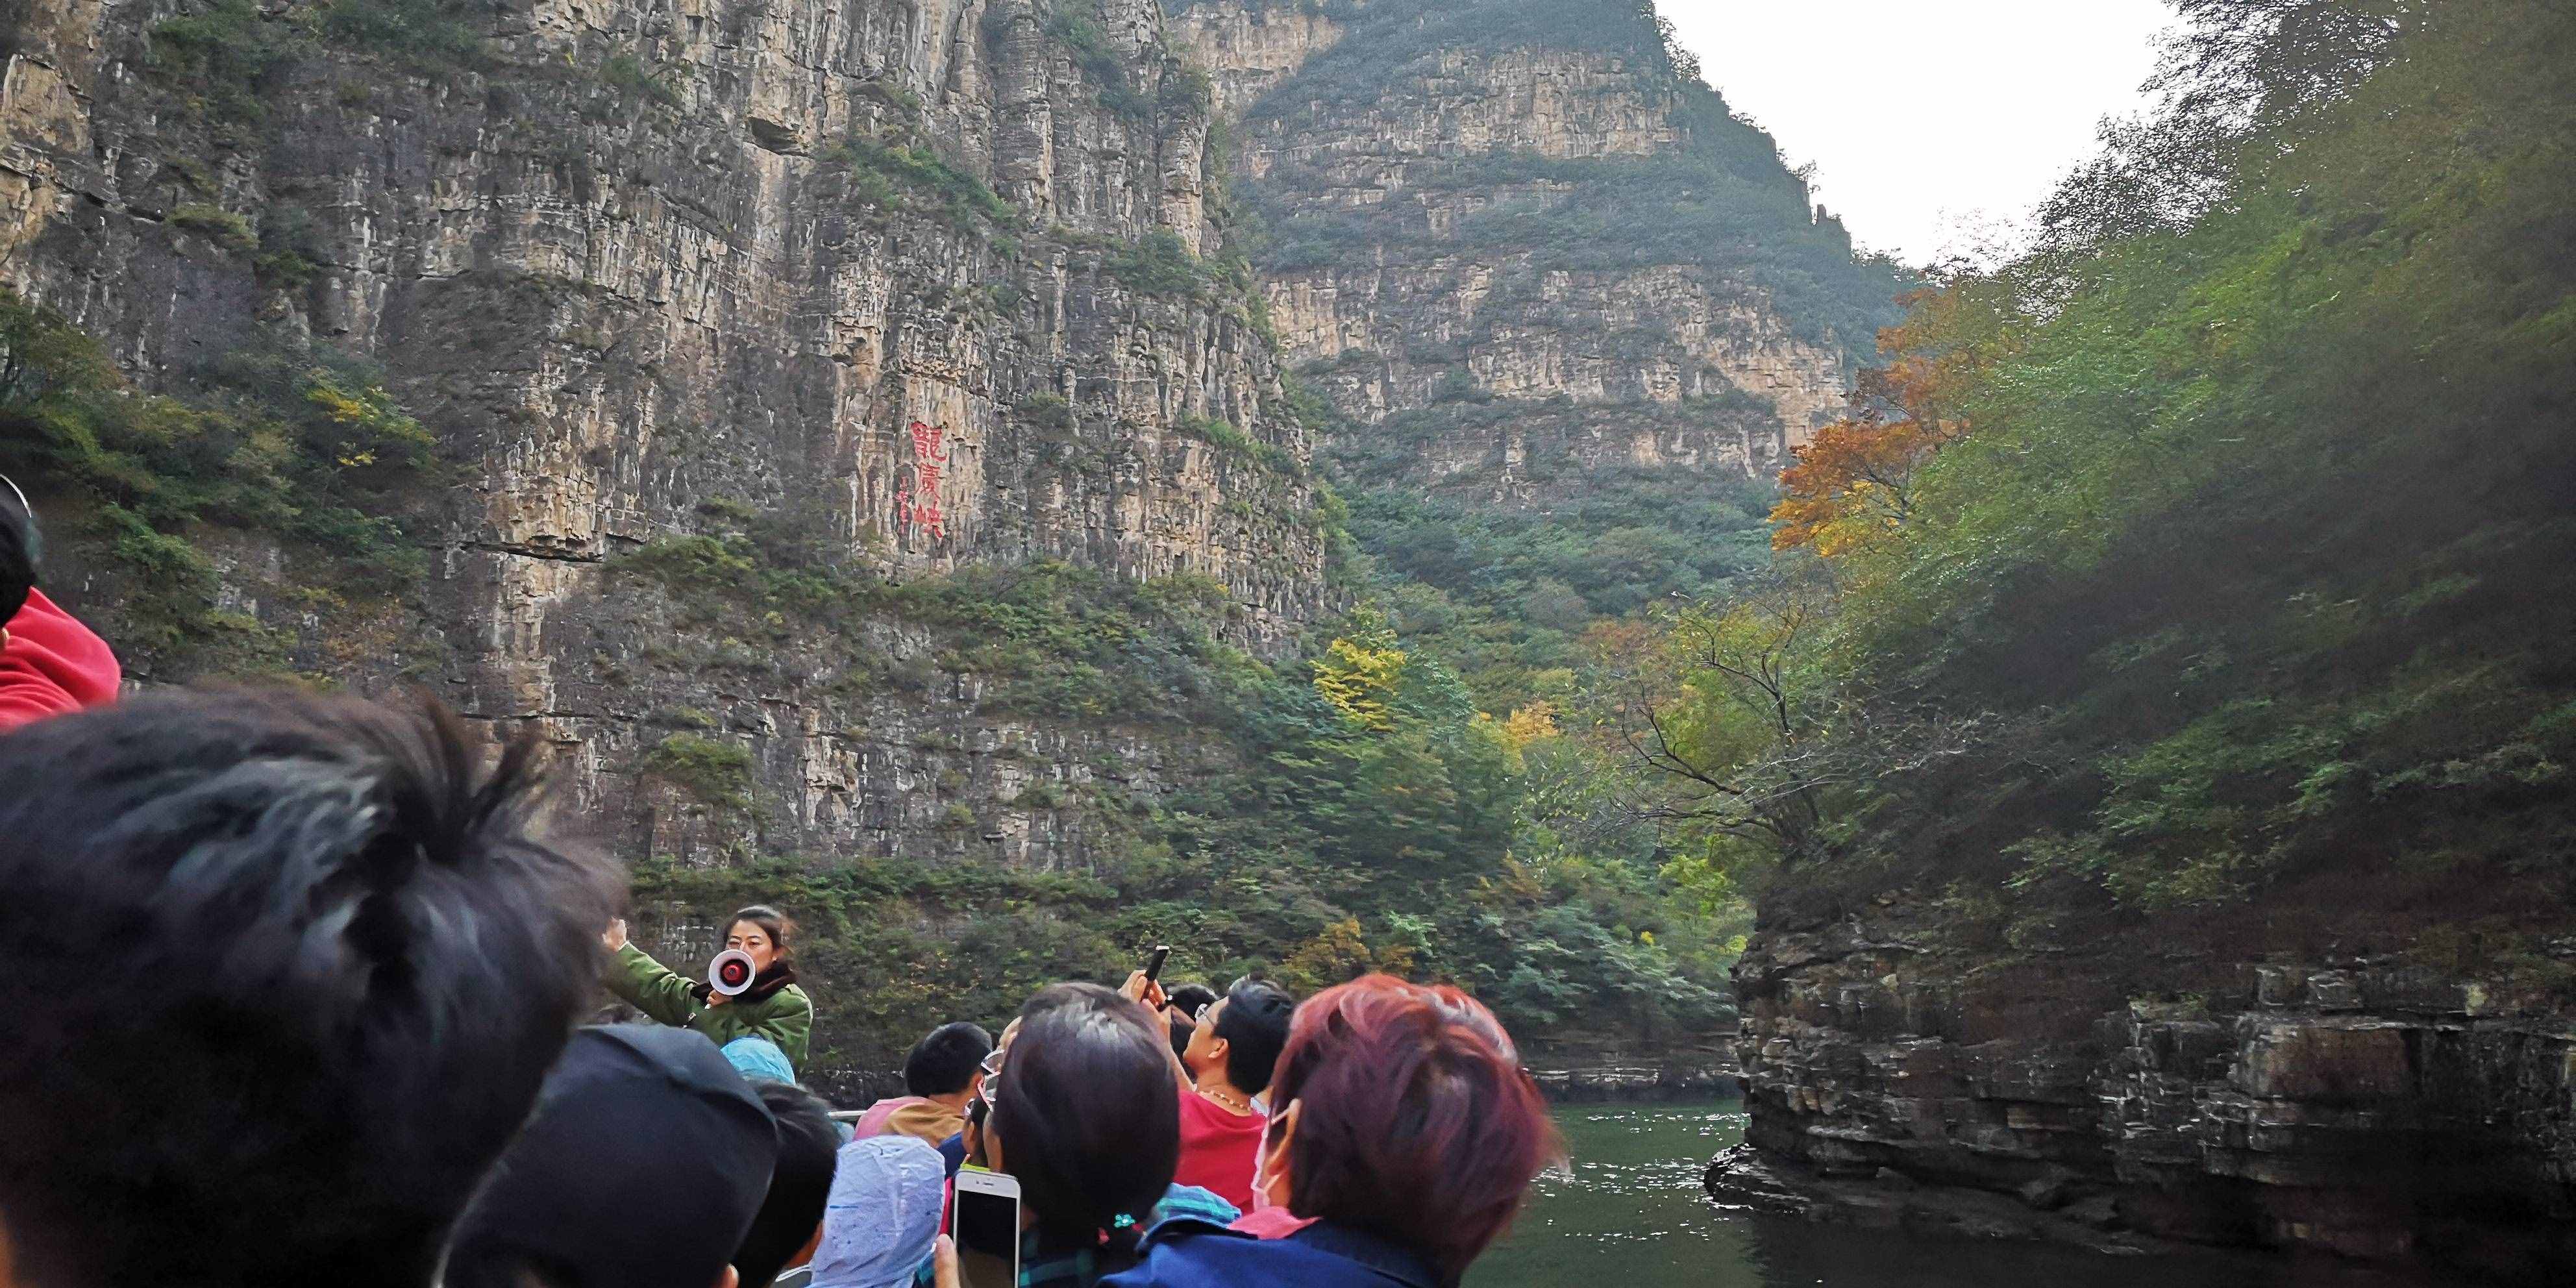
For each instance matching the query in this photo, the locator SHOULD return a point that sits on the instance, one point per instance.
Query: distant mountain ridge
(1532, 208)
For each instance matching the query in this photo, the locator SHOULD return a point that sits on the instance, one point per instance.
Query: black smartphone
(1154, 963)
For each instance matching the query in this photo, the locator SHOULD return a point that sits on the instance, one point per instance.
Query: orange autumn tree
(1854, 481)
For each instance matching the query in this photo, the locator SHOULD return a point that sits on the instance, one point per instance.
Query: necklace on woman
(1227, 1100)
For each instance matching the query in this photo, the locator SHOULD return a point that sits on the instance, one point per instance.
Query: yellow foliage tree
(1533, 723)
(1360, 680)
(1339, 955)
(1855, 480)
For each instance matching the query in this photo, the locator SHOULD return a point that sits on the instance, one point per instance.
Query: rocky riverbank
(1699, 1079)
(1900, 1072)
(1587, 1084)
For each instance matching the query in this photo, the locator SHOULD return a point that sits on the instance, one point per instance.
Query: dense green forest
(1363, 814)
(2218, 549)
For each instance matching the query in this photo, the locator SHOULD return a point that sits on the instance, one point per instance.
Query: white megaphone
(731, 972)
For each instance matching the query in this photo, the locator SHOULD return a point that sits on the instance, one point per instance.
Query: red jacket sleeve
(52, 664)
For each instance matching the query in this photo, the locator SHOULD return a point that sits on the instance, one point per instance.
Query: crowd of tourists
(306, 988)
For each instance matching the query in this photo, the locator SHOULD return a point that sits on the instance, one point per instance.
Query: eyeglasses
(981, 1107)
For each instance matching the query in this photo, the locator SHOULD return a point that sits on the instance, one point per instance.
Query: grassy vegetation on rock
(305, 446)
(1326, 805)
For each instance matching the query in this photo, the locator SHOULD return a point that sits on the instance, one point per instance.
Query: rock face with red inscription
(694, 298)
(1919, 1062)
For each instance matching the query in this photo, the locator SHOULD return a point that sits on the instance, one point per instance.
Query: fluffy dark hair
(809, 1147)
(944, 1061)
(1254, 1025)
(282, 975)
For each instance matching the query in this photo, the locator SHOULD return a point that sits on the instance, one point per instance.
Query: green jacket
(786, 1018)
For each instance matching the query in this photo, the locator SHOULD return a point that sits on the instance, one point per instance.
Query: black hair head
(282, 975)
(1191, 999)
(780, 928)
(1254, 1025)
(1087, 1117)
(22, 550)
(944, 1062)
(808, 1146)
(1188, 1002)
(634, 1118)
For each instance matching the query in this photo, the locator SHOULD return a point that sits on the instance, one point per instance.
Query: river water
(1631, 1214)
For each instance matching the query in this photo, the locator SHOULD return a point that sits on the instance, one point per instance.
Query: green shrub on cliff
(228, 230)
(626, 72)
(1234, 441)
(1158, 263)
(422, 35)
(1053, 640)
(882, 174)
(1100, 63)
(715, 772)
(1047, 411)
(231, 51)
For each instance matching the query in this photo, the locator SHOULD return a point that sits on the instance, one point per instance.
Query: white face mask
(1261, 1184)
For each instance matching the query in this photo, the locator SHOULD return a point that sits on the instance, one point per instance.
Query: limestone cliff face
(2355, 1105)
(1249, 46)
(872, 268)
(1421, 263)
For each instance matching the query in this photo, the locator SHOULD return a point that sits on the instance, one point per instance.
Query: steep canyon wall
(644, 266)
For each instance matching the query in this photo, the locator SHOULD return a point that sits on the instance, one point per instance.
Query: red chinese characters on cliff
(916, 500)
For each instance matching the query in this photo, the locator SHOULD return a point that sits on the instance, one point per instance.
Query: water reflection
(1629, 1213)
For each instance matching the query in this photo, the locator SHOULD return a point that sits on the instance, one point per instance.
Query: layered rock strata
(1900, 1071)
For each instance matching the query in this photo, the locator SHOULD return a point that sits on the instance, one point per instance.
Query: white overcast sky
(1927, 119)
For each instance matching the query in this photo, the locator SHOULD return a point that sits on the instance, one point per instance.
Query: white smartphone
(986, 1224)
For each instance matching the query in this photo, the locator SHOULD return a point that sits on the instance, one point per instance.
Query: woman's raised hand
(1149, 994)
(615, 936)
(1145, 991)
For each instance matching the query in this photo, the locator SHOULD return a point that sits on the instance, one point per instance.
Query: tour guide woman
(773, 1008)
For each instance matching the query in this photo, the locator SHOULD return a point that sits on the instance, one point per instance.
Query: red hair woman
(1403, 1127)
